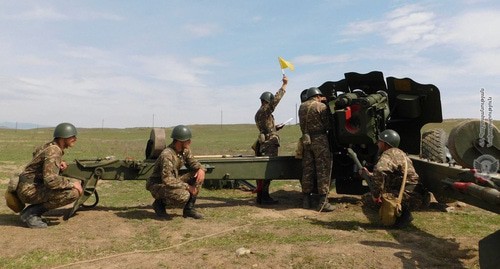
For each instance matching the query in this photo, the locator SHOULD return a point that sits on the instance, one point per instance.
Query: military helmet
(65, 130)
(390, 137)
(181, 133)
(267, 96)
(303, 96)
(313, 92)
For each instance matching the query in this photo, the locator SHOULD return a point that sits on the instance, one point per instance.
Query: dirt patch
(283, 236)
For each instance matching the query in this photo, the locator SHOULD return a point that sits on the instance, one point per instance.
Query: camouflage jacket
(264, 118)
(45, 167)
(167, 166)
(314, 117)
(389, 170)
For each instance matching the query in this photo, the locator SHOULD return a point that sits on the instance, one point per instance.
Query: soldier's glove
(191, 181)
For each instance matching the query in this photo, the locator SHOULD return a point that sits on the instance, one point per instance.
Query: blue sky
(138, 63)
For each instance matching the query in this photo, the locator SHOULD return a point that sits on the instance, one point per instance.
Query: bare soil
(106, 237)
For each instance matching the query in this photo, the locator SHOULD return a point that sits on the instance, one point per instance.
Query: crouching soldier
(167, 186)
(40, 184)
(387, 177)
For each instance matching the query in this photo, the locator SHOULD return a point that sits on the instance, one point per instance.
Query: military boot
(189, 210)
(306, 200)
(263, 197)
(324, 205)
(404, 220)
(32, 216)
(159, 208)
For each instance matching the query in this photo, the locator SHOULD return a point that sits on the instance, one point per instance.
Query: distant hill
(20, 125)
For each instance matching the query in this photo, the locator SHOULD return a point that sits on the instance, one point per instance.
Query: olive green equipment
(390, 137)
(390, 208)
(313, 91)
(361, 107)
(11, 198)
(181, 133)
(65, 130)
(267, 96)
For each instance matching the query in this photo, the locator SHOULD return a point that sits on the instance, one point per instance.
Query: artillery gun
(361, 105)
(463, 166)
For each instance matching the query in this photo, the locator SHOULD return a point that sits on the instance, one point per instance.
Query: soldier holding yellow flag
(268, 141)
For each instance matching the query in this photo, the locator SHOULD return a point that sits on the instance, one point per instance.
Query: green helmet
(390, 137)
(313, 92)
(303, 96)
(65, 130)
(181, 133)
(267, 96)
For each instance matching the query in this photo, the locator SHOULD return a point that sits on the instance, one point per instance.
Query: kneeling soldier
(165, 183)
(40, 184)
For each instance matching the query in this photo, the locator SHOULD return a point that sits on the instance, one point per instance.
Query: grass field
(123, 232)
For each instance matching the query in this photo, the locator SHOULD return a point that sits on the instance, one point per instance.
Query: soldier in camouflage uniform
(40, 184)
(314, 119)
(387, 177)
(167, 186)
(268, 142)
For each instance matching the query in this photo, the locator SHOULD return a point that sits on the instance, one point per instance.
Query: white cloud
(38, 13)
(116, 67)
(321, 59)
(410, 28)
(362, 27)
(202, 30)
(170, 68)
(206, 61)
(475, 30)
(48, 13)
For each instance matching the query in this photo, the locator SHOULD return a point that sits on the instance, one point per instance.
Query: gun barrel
(354, 157)
(487, 194)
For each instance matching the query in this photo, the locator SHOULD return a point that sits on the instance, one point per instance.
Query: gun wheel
(464, 141)
(156, 143)
(434, 149)
(434, 145)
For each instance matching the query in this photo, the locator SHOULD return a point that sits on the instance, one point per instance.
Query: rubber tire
(434, 145)
(433, 148)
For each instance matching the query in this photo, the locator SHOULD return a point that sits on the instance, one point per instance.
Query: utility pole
(296, 114)
(221, 118)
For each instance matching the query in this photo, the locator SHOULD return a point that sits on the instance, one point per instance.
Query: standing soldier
(268, 141)
(167, 186)
(40, 184)
(387, 177)
(314, 119)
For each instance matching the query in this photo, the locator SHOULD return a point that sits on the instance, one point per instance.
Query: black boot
(189, 211)
(32, 216)
(404, 220)
(159, 208)
(324, 205)
(306, 200)
(263, 197)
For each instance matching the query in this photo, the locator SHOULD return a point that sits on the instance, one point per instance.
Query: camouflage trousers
(172, 196)
(316, 165)
(411, 200)
(270, 147)
(39, 194)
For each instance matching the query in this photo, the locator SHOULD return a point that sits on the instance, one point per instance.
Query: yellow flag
(285, 64)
